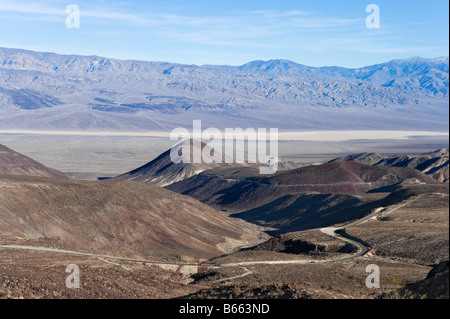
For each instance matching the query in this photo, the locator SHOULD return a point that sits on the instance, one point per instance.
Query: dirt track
(193, 268)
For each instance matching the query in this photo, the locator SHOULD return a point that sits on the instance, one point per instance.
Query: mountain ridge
(238, 189)
(434, 164)
(81, 92)
(441, 59)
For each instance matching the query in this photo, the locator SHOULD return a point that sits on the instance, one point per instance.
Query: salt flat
(283, 135)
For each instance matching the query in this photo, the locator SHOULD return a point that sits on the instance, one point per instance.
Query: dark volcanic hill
(13, 163)
(244, 189)
(162, 171)
(435, 164)
(118, 218)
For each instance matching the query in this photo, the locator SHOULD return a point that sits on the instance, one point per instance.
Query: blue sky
(315, 33)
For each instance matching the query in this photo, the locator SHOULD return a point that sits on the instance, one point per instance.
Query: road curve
(192, 268)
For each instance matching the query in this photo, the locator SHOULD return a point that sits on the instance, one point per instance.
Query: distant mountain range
(51, 91)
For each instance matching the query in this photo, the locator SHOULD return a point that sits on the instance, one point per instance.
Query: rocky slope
(434, 286)
(120, 218)
(162, 171)
(435, 164)
(413, 229)
(13, 163)
(243, 189)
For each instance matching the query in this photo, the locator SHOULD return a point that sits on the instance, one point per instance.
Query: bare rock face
(118, 218)
(13, 163)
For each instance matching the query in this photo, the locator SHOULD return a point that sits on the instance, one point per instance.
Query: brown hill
(346, 177)
(244, 189)
(163, 172)
(435, 164)
(119, 218)
(13, 163)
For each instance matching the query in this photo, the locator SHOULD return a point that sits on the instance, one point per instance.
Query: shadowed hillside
(244, 189)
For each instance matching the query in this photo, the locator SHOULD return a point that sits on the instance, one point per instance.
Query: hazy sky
(234, 32)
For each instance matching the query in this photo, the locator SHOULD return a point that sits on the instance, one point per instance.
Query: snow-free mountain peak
(71, 92)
